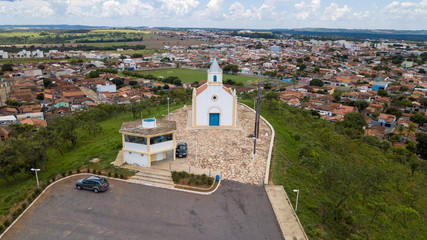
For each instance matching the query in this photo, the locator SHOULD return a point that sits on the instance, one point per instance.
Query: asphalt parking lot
(131, 211)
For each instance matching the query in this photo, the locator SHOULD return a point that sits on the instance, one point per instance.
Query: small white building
(4, 54)
(148, 141)
(213, 103)
(38, 54)
(108, 87)
(24, 54)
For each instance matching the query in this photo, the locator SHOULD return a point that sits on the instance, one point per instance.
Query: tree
(7, 67)
(316, 82)
(352, 125)
(422, 144)
(231, 68)
(418, 118)
(40, 96)
(118, 81)
(47, 82)
(301, 66)
(382, 93)
(393, 111)
(93, 74)
(361, 105)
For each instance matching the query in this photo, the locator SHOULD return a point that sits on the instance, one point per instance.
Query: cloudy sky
(360, 14)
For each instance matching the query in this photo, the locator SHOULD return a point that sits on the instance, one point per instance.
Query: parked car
(93, 183)
(181, 149)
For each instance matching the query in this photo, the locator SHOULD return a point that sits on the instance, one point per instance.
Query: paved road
(3, 96)
(91, 94)
(130, 211)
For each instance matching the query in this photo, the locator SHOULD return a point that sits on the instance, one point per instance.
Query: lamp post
(37, 178)
(296, 204)
(196, 142)
(168, 109)
(246, 129)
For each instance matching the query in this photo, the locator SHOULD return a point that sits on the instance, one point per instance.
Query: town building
(213, 103)
(148, 141)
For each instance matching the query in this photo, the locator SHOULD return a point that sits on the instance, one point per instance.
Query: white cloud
(26, 9)
(237, 12)
(179, 7)
(213, 9)
(333, 12)
(307, 9)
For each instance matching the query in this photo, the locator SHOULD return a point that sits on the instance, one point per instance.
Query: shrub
(197, 182)
(109, 174)
(70, 172)
(1, 228)
(121, 176)
(99, 172)
(116, 175)
(37, 191)
(210, 182)
(88, 170)
(78, 170)
(63, 174)
(94, 171)
(53, 179)
(6, 223)
(17, 213)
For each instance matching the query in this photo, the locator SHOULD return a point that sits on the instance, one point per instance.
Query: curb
(175, 189)
(85, 174)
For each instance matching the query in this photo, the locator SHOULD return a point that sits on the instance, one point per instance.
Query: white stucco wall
(135, 146)
(159, 156)
(136, 158)
(205, 105)
(161, 146)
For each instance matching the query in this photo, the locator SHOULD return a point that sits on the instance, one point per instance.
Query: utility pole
(257, 115)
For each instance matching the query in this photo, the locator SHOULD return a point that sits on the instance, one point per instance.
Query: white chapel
(213, 103)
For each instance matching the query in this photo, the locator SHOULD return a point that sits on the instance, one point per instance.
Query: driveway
(131, 211)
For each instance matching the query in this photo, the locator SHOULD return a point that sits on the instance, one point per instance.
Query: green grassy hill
(349, 189)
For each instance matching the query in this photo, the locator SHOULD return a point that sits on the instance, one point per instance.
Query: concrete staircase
(156, 177)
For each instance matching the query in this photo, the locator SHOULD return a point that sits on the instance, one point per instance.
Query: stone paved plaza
(225, 150)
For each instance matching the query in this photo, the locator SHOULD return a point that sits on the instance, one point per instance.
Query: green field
(15, 37)
(105, 145)
(190, 75)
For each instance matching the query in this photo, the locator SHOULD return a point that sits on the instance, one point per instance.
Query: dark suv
(181, 149)
(93, 183)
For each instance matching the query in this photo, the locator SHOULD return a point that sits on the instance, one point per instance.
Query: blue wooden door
(213, 119)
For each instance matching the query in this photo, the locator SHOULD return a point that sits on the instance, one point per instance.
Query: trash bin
(217, 178)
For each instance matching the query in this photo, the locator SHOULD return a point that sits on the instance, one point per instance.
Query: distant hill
(415, 35)
(419, 35)
(47, 27)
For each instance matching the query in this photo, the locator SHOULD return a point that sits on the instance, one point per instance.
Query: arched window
(214, 78)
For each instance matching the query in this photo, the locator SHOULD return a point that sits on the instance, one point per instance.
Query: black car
(93, 183)
(181, 149)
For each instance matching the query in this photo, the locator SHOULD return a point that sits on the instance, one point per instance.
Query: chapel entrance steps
(157, 177)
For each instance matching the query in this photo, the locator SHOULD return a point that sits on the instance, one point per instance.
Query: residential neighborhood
(203, 133)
